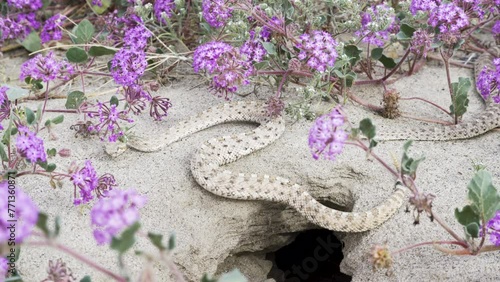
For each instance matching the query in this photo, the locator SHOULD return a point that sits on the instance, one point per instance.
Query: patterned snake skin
(207, 167)
(483, 122)
(207, 164)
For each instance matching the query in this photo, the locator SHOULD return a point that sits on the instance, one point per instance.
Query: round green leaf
(76, 55)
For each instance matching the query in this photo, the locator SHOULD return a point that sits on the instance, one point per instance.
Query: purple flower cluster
(449, 18)
(496, 28)
(4, 104)
(224, 62)
(30, 146)
(86, 181)
(423, 5)
(488, 82)
(253, 48)
(128, 66)
(52, 28)
(136, 35)
(318, 49)
(46, 68)
(112, 215)
(26, 214)
(326, 137)
(26, 4)
(108, 122)
(18, 28)
(420, 42)
(493, 228)
(215, 12)
(376, 24)
(163, 9)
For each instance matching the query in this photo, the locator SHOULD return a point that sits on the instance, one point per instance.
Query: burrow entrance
(314, 256)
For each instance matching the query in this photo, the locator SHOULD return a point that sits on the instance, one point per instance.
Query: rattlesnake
(483, 122)
(207, 163)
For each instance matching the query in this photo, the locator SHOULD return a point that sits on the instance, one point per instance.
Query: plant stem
(448, 78)
(427, 101)
(429, 243)
(446, 227)
(81, 258)
(396, 67)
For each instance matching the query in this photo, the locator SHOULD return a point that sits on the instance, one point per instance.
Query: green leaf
(76, 55)
(59, 119)
(42, 223)
(469, 219)
(51, 167)
(388, 63)
(460, 100)
(96, 51)
(75, 99)
(127, 239)
(3, 154)
(30, 115)
(233, 276)
(156, 240)
(32, 42)
(100, 10)
(83, 32)
(350, 77)
(405, 32)
(377, 53)
(483, 195)
(52, 152)
(409, 165)
(353, 52)
(57, 226)
(113, 101)
(270, 48)
(171, 242)
(205, 278)
(86, 278)
(39, 111)
(7, 133)
(367, 128)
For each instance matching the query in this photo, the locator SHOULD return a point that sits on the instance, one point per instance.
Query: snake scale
(207, 163)
(486, 120)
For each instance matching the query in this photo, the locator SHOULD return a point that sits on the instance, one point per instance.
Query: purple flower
(29, 22)
(52, 28)
(493, 229)
(108, 122)
(10, 29)
(376, 24)
(25, 213)
(253, 49)
(449, 18)
(420, 42)
(423, 5)
(30, 146)
(496, 28)
(4, 104)
(137, 37)
(112, 215)
(86, 181)
(318, 49)
(163, 9)
(128, 66)
(224, 62)
(46, 68)
(488, 82)
(136, 98)
(326, 137)
(97, 3)
(32, 5)
(159, 108)
(215, 12)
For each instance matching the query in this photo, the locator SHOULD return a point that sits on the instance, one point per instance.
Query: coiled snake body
(207, 163)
